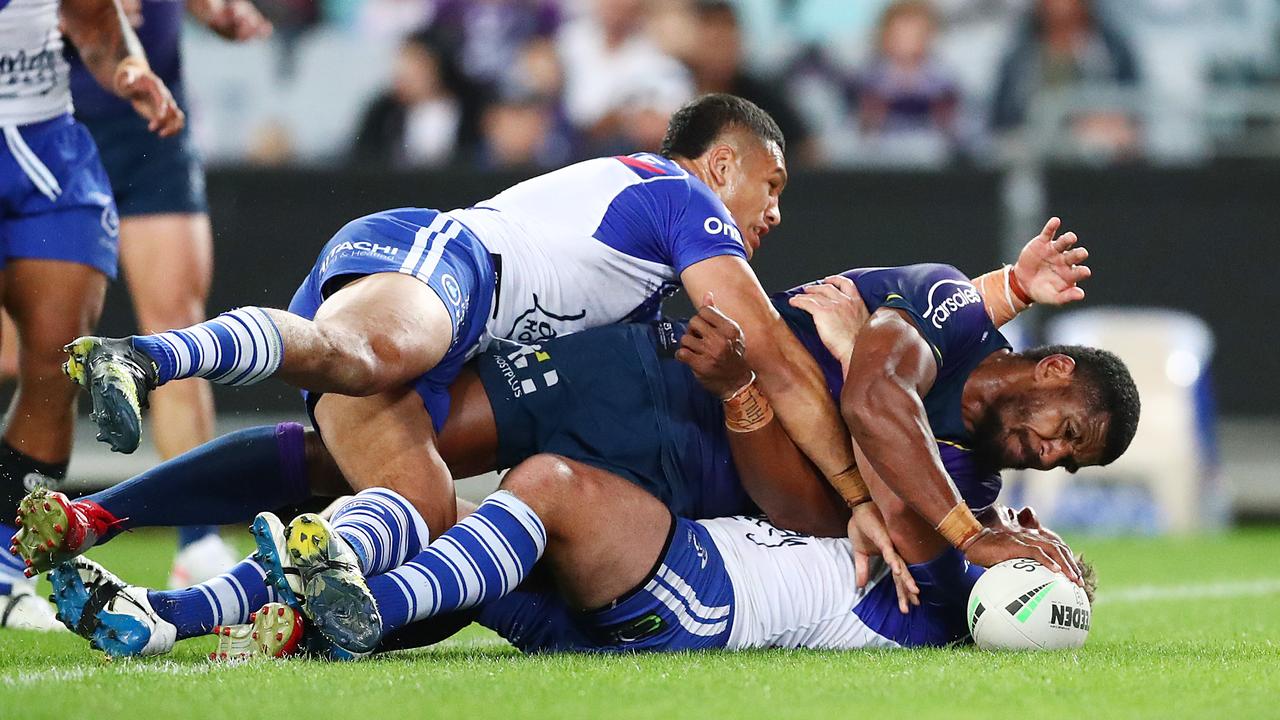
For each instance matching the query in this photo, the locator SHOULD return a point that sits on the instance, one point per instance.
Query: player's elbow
(866, 402)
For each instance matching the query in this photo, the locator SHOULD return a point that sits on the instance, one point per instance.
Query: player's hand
(869, 537)
(151, 99)
(236, 20)
(995, 546)
(838, 313)
(715, 350)
(1050, 270)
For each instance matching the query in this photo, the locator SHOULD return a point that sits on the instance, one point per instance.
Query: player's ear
(721, 159)
(1055, 367)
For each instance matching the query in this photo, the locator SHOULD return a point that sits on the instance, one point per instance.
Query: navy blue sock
(225, 600)
(227, 480)
(10, 567)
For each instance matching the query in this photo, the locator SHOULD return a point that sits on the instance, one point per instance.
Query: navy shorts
(55, 200)
(686, 603)
(607, 397)
(150, 175)
(430, 246)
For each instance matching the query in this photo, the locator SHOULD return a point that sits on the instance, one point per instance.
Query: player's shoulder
(648, 166)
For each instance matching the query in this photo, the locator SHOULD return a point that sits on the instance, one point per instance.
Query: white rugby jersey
(33, 73)
(792, 590)
(596, 243)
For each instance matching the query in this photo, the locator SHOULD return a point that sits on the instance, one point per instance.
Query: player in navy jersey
(58, 234)
(399, 300)
(166, 242)
(616, 407)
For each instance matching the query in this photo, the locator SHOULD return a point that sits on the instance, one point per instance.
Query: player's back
(596, 243)
(33, 73)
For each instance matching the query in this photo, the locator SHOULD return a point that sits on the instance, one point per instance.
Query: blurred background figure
(620, 87)
(1065, 45)
(716, 60)
(906, 101)
(418, 121)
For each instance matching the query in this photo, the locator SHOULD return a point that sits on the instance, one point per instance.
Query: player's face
(753, 196)
(1044, 428)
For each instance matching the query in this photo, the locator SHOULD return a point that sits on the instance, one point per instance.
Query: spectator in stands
(1065, 44)
(416, 122)
(620, 88)
(904, 90)
(524, 125)
(716, 61)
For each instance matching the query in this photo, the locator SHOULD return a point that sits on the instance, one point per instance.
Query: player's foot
(269, 535)
(335, 596)
(22, 609)
(114, 617)
(118, 378)
(274, 631)
(53, 529)
(202, 560)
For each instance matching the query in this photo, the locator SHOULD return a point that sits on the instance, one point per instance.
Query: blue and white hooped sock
(225, 600)
(382, 527)
(485, 556)
(240, 347)
(10, 566)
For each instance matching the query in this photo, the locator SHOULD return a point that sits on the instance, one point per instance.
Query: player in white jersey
(399, 300)
(57, 223)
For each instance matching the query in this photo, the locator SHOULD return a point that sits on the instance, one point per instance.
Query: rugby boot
(269, 535)
(118, 378)
(114, 617)
(22, 609)
(274, 631)
(53, 529)
(336, 598)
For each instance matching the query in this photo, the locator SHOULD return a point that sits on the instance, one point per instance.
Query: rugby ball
(1022, 605)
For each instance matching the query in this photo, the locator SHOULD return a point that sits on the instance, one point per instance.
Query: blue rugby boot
(118, 378)
(269, 535)
(114, 617)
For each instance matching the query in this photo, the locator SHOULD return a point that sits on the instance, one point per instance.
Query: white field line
(26, 678)
(1192, 591)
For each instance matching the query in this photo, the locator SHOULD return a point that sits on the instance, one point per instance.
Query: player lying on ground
(398, 301)
(618, 399)
(627, 576)
(558, 427)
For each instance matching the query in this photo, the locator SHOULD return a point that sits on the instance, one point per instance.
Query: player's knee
(543, 481)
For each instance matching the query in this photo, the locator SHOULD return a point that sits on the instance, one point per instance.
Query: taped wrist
(851, 486)
(998, 295)
(960, 527)
(747, 410)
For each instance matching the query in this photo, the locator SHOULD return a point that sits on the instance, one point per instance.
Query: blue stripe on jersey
(944, 584)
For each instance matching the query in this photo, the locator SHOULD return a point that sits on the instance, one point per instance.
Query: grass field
(1183, 628)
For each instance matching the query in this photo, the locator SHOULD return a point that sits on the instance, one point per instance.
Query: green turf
(1170, 657)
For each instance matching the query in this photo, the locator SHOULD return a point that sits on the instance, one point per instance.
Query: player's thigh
(387, 440)
(469, 441)
(401, 321)
(168, 264)
(604, 534)
(52, 302)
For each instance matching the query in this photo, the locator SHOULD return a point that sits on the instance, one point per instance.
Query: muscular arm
(785, 485)
(891, 370)
(787, 374)
(102, 35)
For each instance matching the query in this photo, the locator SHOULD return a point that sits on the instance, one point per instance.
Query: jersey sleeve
(945, 307)
(700, 227)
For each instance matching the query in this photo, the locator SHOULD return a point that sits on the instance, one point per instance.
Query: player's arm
(110, 50)
(891, 370)
(1048, 271)
(236, 20)
(775, 474)
(786, 373)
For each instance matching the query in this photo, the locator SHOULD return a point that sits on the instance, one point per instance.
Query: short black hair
(697, 124)
(1109, 389)
(719, 8)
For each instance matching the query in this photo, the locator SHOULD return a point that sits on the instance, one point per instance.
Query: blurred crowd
(539, 83)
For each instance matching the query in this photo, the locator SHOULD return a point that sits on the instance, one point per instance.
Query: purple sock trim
(292, 446)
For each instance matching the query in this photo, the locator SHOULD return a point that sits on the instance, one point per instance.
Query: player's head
(737, 150)
(1062, 406)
